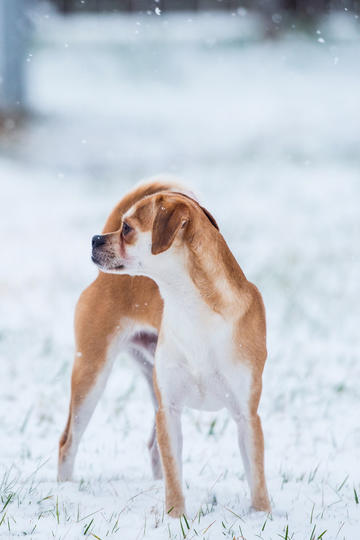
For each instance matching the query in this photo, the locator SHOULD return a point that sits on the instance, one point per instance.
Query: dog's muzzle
(103, 257)
(97, 241)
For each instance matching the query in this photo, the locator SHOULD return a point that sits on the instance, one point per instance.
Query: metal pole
(13, 32)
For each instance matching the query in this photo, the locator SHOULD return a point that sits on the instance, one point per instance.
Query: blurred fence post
(13, 33)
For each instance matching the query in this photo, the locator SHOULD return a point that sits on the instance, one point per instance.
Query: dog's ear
(210, 217)
(168, 220)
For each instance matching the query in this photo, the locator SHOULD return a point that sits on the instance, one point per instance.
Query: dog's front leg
(168, 427)
(169, 435)
(251, 443)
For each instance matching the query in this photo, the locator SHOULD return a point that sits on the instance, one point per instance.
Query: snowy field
(269, 133)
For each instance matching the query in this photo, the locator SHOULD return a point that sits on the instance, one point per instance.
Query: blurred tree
(14, 28)
(301, 8)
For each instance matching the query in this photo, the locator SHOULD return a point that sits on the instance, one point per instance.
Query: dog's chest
(199, 366)
(204, 366)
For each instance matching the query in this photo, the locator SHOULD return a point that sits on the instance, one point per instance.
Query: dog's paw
(261, 504)
(64, 478)
(175, 509)
(64, 473)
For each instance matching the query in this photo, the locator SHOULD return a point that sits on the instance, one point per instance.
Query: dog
(115, 313)
(211, 347)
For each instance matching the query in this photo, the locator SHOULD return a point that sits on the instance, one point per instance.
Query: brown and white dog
(211, 347)
(115, 313)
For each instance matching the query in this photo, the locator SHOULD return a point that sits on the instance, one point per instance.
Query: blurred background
(256, 106)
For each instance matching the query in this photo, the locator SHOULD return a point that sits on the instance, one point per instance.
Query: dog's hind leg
(142, 350)
(93, 362)
(87, 385)
(105, 315)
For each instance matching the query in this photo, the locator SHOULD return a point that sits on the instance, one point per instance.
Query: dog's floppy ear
(210, 217)
(167, 222)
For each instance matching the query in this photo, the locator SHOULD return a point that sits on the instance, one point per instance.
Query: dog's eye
(125, 229)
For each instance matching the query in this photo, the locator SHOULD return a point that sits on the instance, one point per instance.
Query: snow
(268, 133)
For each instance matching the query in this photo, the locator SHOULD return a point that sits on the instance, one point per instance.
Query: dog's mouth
(103, 264)
(96, 260)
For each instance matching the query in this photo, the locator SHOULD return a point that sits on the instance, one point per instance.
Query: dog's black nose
(98, 240)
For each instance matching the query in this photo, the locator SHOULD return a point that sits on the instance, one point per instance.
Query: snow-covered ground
(269, 133)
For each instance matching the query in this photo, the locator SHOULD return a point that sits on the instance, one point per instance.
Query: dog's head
(157, 225)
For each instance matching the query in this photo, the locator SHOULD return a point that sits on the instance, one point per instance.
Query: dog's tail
(143, 189)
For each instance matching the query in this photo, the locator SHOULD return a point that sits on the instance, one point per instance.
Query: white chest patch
(201, 368)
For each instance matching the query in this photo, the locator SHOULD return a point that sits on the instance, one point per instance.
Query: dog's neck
(215, 272)
(207, 274)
